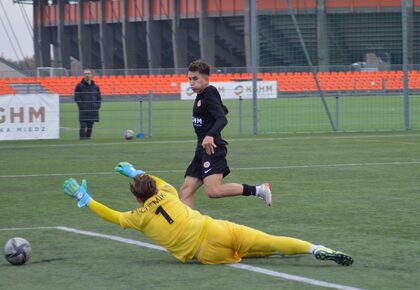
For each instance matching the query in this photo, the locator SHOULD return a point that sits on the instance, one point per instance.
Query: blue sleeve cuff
(84, 201)
(135, 173)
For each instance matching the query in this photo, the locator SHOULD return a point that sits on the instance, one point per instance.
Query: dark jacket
(88, 99)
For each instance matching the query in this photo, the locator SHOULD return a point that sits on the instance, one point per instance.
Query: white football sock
(315, 247)
(258, 189)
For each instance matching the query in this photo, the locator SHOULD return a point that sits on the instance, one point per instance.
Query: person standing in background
(87, 95)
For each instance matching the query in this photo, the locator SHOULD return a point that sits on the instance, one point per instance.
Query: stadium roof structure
(130, 35)
(9, 69)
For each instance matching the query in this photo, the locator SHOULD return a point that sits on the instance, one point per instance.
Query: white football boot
(264, 192)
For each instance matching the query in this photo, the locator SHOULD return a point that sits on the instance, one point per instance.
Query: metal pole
(337, 114)
(253, 14)
(240, 116)
(141, 116)
(383, 84)
(150, 113)
(405, 64)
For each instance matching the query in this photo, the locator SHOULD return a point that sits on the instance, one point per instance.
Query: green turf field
(357, 192)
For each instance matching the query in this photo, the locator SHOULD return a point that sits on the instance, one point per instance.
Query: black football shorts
(204, 165)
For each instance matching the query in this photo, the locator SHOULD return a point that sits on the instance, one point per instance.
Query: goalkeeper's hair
(199, 66)
(144, 187)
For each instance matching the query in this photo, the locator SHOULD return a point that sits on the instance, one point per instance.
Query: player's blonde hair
(144, 187)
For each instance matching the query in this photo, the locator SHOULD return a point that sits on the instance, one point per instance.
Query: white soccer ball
(129, 134)
(17, 251)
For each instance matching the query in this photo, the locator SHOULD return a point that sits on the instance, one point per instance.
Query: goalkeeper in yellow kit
(186, 233)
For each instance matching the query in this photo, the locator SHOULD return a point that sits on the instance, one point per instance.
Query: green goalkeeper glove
(128, 170)
(76, 191)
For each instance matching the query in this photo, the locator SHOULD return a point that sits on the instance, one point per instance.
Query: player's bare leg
(188, 189)
(215, 189)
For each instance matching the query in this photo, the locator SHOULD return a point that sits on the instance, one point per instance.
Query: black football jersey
(209, 115)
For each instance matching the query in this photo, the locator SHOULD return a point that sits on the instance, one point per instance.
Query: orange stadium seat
(291, 82)
(5, 89)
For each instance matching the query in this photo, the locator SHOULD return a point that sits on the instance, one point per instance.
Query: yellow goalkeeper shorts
(227, 242)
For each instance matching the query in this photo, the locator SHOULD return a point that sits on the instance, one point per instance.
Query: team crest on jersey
(199, 103)
(206, 164)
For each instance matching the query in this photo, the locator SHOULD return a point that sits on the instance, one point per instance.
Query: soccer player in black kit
(209, 165)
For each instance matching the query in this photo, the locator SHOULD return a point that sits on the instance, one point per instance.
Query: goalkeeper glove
(78, 192)
(126, 169)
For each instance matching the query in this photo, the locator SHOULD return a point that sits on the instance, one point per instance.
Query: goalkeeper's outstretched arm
(79, 193)
(104, 212)
(127, 169)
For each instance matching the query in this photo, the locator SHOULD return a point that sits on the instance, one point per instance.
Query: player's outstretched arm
(76, 191)
(128, 170)
(105, 212)
(79, 192)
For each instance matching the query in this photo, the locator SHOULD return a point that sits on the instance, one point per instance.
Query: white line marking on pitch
(240, 266)
(263, 139)
(111, 237)
(31, 228)
(291, 277)
(400, 163)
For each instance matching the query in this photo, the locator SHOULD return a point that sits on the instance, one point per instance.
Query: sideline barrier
(29, 116)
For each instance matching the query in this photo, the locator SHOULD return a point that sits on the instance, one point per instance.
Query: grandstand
(137, 46)
(170, 84)
(140, 34)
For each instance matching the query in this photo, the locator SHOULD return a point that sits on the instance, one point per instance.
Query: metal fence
(154, 116)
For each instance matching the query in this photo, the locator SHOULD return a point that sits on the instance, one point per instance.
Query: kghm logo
(190, 91)
(197, 121)
(22, 115)
(239, 90)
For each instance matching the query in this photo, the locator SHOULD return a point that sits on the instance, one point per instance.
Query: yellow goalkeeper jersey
(168, 222)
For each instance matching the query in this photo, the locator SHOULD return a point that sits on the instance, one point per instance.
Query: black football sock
(249, 190)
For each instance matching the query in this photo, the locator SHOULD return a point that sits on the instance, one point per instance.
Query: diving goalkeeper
(186, 233)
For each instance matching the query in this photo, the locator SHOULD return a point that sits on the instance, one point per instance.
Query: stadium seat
(291, 82)
(6, 89)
